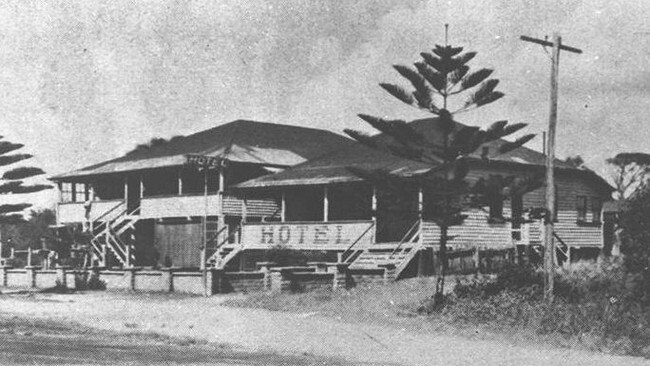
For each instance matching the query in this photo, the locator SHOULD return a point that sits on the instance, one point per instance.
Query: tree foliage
(630, 173)
(11, 182)
(441, 74)
(635, 247)
(153, 143)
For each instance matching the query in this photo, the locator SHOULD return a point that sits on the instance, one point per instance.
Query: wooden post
(126, 190)
(549, 240)
(180, 181)
(374, 203)
(326, 205)
(549, 243)
(141, 186)
(73, 191)
(204, 249)
(283, 206)
(420, 202)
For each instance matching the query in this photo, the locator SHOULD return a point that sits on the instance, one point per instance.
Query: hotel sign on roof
(210, 162)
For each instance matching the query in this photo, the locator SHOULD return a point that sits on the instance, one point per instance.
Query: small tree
(12, 181)
(630, 172)
(439, 76)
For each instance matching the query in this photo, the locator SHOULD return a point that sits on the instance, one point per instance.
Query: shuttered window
(581, 207)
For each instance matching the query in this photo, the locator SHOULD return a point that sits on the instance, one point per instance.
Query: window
(80, 192)
(596, 208)
(66, 192)
(581, 207)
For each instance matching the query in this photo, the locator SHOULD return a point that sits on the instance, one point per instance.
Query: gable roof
(332, 168)
(239, 141)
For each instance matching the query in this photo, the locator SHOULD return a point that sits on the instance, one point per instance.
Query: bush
(592, 302)
(283, 256)
(86, 281)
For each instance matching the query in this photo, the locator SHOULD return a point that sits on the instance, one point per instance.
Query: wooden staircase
(115, 238)
(400, 253)
(224, 251)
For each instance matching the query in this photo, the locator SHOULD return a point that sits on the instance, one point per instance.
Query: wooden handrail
(372, 224)
(107, 212)
(408, 234)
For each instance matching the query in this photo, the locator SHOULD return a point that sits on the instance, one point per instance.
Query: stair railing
(345, 258)
(411, 234)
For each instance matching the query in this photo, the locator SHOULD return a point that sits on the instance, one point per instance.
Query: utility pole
(549, 242)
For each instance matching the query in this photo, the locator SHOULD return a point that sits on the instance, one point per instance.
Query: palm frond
(509, 146)
(10, 159)
(475, 78)
(484, 94)
(458, 74)
(22, 173)
(8, 208)
(512, 128)
(434, 78)
(6, 146)
(32, 188)
(398, 93)
(434, 62)
(361, 137)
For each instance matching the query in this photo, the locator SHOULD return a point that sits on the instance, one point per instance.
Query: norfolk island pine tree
(440, 75)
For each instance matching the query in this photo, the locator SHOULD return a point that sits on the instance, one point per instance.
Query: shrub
(284, 256)
(86, 281)
(592, 302)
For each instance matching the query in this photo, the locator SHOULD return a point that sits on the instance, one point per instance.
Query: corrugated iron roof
(238, 141)
(332, 168)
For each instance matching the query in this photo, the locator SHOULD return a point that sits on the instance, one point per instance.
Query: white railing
(75, 212)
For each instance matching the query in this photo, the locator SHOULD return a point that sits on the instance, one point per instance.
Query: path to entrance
(286, 333)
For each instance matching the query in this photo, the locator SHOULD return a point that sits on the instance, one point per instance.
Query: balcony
(75, 212)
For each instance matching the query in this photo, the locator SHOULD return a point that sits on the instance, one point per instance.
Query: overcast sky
(84, 82)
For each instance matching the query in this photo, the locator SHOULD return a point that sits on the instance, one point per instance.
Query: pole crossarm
(550, 44)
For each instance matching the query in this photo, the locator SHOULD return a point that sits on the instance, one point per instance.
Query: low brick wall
(116, 280)
(17, 278)
(321, 275)
(45, 279)
(243, 282)
(152, 281)
(188, 282)
(365, 276)
(310, 281)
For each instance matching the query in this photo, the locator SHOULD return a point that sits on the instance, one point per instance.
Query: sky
(82, 82)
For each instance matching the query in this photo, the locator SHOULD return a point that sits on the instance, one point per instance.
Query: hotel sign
(316, 235)
(210, 162)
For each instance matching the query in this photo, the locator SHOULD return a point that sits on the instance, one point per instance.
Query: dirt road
(254, 330)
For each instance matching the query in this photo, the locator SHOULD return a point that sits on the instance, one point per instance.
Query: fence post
(30, 272)
(131, 273)
(477, 259)
(168, 278)
(340, 271)
(265, 267)
(4, 269)
(389, 272)
(62, 276)
(280, 280)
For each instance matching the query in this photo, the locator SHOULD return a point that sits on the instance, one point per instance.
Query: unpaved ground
(286, 333)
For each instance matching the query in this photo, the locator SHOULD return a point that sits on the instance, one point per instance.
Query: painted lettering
(267, 234)
(320, 234)
(284, 234)
(302, 230)
(339, 239)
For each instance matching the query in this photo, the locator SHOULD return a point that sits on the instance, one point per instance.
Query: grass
(591, 312)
